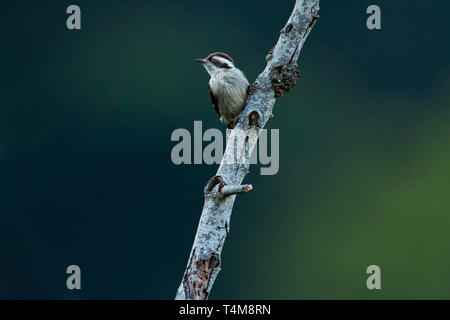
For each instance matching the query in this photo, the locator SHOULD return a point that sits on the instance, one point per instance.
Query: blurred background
(86, 176)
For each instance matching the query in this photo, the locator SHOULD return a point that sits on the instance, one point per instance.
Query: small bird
(228, 87)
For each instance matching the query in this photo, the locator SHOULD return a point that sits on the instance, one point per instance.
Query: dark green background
(86, 176)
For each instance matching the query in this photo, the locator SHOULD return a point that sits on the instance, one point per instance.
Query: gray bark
(279, 76)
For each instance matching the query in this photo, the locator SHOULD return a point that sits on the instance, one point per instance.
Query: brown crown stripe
(219, 54)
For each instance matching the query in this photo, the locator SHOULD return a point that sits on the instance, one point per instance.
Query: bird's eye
(219, 63)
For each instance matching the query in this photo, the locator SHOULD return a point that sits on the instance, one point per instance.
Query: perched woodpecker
(228, 87)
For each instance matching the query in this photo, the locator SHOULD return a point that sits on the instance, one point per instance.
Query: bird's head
(217, 62)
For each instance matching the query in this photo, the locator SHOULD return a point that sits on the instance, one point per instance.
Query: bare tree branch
(279, 76)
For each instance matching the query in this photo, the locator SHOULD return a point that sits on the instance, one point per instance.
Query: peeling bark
(279, 76)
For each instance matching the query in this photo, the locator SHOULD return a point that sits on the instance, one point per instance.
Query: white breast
(230, 88)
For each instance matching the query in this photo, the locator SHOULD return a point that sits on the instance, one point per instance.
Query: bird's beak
(202, 61)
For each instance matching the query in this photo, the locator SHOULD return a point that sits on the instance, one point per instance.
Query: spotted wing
(214, 101)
